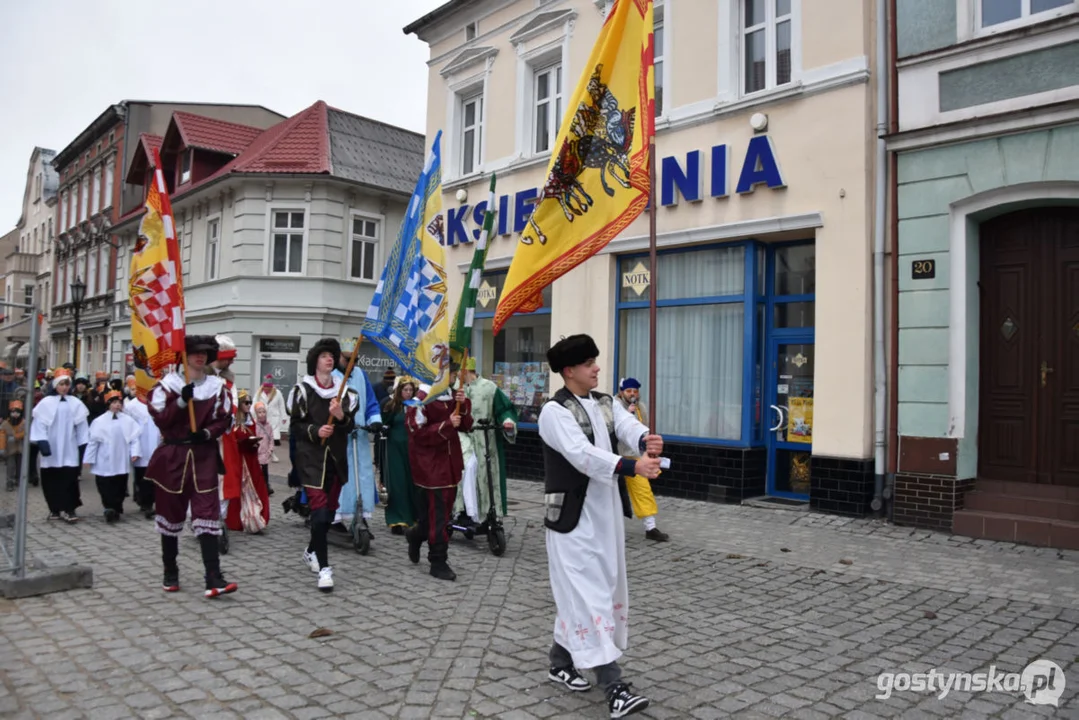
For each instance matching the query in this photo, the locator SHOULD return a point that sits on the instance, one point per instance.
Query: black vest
(564, 487)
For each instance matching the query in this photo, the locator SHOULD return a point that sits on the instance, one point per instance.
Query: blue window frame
(757, 297)
(516, 360)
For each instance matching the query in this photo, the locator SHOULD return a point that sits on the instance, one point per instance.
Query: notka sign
(688, 177)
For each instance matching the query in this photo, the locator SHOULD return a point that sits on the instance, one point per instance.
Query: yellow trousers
(641, 497)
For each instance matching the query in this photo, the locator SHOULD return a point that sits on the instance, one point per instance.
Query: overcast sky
(62, 62)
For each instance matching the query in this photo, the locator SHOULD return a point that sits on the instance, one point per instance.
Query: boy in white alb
(114, 446)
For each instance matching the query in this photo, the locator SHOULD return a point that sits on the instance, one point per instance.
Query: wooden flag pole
(344, 380)
(464, 364)
(653, 275)
(187, 381)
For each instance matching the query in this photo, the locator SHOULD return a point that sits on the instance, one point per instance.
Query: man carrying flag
(598, 182)
(191, 409)
(490, 406)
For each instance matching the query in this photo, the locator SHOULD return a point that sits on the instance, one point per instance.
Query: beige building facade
(765, 136)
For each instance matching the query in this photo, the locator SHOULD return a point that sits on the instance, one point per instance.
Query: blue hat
(629, 384)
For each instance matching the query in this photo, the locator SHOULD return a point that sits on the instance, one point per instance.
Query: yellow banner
(597, 181)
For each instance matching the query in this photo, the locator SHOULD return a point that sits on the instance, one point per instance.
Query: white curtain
(698, 367)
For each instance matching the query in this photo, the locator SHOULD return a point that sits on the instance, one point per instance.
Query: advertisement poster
(800, 426)
(525, 384)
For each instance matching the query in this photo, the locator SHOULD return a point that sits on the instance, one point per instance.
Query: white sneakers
(325, 579)
(311, 559)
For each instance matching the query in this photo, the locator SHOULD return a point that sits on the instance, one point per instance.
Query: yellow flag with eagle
(598, 179)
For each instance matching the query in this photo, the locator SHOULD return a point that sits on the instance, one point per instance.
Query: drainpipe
(893, 320)
(880, 387)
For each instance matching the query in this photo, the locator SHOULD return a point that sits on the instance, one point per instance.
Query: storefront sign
(923, 269)
(486, 294)
(759, 167)
(638, 279)
(290, 346)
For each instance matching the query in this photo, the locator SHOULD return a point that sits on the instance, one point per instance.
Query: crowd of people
(199, 449)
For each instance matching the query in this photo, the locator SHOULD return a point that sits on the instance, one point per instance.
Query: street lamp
(78, 294)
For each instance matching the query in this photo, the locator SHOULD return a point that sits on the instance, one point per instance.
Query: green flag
(461, 332)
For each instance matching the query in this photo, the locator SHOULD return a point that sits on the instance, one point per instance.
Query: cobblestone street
(747, 611)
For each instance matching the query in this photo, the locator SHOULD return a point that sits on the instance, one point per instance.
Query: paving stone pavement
(747, 612)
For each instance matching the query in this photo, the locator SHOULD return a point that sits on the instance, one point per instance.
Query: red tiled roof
(300, 144)
(150, 143)
(144, 157)
(211, 134)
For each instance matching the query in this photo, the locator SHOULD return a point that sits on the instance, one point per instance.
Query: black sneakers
(657, 535)
(569, 677)
(216, 586)
(622, 702)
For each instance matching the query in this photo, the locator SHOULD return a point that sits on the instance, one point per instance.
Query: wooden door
(1029, 362)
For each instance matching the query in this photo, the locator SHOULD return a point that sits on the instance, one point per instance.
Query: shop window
(766, 44)
(515, 359)
(700, 338)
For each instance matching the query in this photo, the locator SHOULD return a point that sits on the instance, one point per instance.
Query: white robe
(588, 565)
(63, 424)
(114, 440)
(150, 435)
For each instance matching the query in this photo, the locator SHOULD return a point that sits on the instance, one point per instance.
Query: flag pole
(348, 371)
(652, 277)
(187, 381)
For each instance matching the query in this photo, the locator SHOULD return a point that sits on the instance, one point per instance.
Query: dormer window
(471, 31)
(185, 166)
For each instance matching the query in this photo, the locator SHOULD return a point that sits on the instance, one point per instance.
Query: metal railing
(13, 518)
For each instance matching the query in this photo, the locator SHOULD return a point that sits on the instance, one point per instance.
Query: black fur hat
(202, 343)
(571, 351)
(329, 345)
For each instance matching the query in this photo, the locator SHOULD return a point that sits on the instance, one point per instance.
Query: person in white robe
(58, 428)
(585, 504)
(114, 447)
(149, 439)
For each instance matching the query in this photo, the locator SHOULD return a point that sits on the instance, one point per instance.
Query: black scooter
(492, 524)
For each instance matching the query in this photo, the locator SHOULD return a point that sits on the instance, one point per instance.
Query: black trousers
(113, 490)
(435, 514)
(61, 489)
(143, 490)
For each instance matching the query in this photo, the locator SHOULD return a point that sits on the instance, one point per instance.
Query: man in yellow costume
(640, 490)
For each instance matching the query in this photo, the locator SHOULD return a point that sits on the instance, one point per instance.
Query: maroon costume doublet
(185, 472)
(437, 464)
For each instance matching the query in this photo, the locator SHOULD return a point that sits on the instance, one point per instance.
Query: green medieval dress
(488, 403)
(397, 475)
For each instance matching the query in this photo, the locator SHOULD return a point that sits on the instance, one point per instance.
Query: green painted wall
(1050, 68)
(924, 25)
(930, 181)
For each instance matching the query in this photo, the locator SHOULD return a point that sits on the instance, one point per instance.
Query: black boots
(415, 542)
(170, 548)
(215, 582)
(439, 567)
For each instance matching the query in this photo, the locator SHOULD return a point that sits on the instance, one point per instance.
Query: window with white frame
(84, 197)
(68, 280)
(27, 297)
(95, 201)
(91, 274)
(362, 253)
(185, 166)
(103, 270)
(766, 44)
(547, 101)
(1004, 14)
(287, 241)
(659, 36)
(213, 246)
(471, 133)
(110, 170)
